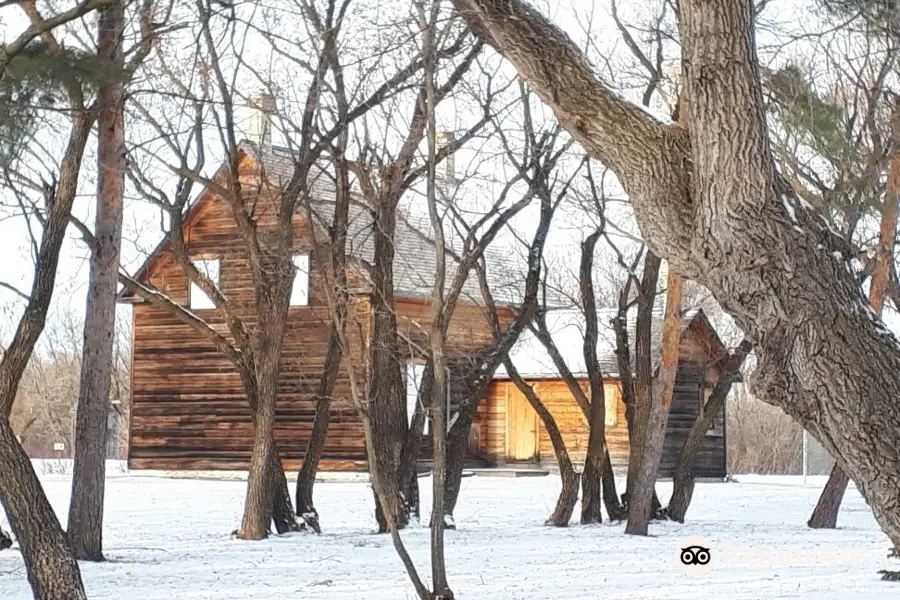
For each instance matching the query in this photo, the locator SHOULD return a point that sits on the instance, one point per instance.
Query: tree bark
(825, 514)
(568, 496)
(85, 524)
(598, 479)
(263, 498)
(409, 461)
(385, 390)
(711, 202)
(306, 478)
(683, 485)
(52, 569)
(637, 392)
(641, 507)
(51, 566)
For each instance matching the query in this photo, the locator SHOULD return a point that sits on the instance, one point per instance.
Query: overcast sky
(142, 222)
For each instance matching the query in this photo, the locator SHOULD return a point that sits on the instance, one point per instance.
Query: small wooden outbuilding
(509, 431)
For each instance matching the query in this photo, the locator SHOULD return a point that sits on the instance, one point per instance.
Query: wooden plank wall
(188, 406)
(697, 367)
(492, 418)
(189, 410)
(710, 460)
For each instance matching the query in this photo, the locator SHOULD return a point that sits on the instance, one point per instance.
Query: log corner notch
(710, 201)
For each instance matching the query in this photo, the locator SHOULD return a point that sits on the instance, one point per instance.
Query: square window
(197, 298)
(300, 289)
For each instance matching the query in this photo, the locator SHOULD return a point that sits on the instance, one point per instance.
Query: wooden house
(511, 432)
(188, 407)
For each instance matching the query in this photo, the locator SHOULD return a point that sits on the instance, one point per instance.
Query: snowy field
(169, 539)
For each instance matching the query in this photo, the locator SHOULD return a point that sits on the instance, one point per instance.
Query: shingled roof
(414, 249)
(567, 330)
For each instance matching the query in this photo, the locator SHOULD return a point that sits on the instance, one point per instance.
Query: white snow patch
(169, 538)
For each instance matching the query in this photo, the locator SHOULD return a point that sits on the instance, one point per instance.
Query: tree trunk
(412, 448)
(623, 357)
(711, 201)
(282, 510)
(85, 524)
(641, 507)
(825, 514)
(598, 479)
(306, 478)
(568, 496)
(52, 569)
(264, 499)
(637, 406)
(683, 485)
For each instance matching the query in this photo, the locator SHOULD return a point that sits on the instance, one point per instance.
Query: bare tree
(85, 523)
(683, 485)
(535, 164)
(745, 210)
(52, 569)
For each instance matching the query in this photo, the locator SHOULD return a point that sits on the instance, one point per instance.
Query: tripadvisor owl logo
(694, 555)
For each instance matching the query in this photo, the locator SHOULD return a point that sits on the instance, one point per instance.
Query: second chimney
(445, 168)
(262, 106)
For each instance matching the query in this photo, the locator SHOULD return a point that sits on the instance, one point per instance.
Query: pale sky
(142, 222)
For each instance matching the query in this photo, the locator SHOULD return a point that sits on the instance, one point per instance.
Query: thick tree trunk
(568, 495)
(306, 478)
(85, 524)
(710, 200)
(52, 569)
(825, 514)
(683, 485)
(641, 507)
(281, 511)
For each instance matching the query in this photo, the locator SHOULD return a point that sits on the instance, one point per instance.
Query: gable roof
(567, 330)
(414, 250)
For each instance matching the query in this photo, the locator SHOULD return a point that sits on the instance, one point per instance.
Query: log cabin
(188, 409)
(511, 431)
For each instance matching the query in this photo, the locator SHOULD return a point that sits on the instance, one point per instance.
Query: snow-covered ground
(169, 538)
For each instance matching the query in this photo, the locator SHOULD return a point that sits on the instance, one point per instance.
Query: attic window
(300, 289)
(197, 299)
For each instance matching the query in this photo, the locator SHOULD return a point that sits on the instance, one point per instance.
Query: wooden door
(521, 427)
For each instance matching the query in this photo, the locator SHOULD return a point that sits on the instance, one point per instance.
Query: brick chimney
(262, 106)
(446, 169)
